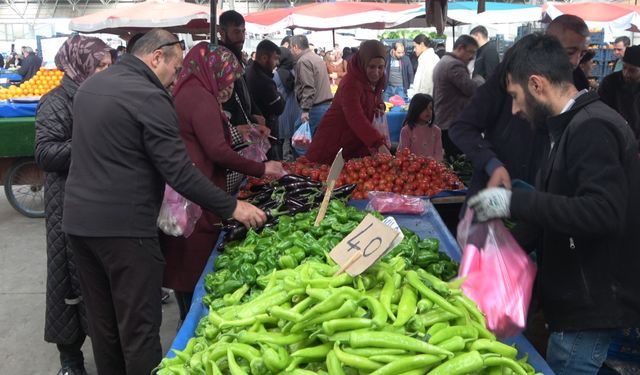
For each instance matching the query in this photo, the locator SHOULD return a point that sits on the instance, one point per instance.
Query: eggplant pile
(288, 195)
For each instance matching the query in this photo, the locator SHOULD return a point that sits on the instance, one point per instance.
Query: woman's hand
(274, 168)
(245, 130)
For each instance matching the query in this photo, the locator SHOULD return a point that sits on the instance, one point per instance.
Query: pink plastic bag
(258, 147)
(386, 203)
(380, 124)
(498, 274)
(178, 216)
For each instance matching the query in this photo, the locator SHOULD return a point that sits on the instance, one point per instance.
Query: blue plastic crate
(600, 54)
(609, 54)
(597, 37)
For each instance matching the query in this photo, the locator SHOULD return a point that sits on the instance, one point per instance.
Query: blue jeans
(315, 115)
(393, 90)
(578, 353)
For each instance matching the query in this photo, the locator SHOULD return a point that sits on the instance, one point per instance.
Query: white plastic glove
(491, 203)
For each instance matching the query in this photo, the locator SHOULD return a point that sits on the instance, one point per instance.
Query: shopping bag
(257, 148)
(178, 216)
(380, 124)
(498, 275)
(301, 138)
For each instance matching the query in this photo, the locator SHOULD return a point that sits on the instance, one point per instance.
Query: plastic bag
(178, 216)
(498, 274)
(258, 146)
(385, 202)
(301, 138)
(397, 100)
(380, 124)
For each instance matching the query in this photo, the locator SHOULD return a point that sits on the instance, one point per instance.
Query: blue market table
(427, 225)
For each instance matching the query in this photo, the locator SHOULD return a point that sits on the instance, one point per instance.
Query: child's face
(427, 114)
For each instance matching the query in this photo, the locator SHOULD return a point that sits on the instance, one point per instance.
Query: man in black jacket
(125, 146)
(621, 90)
(30, 64)
(487, 58)
(241, 107)
(585, 208)
(263, 89)
(499, 145)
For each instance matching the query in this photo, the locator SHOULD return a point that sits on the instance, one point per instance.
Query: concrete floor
(22, 299)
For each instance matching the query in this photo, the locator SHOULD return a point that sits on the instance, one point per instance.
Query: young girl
(418, 133)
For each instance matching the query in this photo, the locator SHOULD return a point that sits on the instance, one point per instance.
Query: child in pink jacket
(419, 134)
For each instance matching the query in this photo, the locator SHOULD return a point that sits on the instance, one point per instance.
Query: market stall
(426, 226)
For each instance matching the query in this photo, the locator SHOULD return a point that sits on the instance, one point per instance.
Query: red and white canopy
(612, 17)
(174, 15)
(329, 16)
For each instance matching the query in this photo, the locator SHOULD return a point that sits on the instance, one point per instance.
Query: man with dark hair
(399, 72)
(427, 60)
(133, 40)
(285, 42)
(263, 89)
(453, 87)
(313, 88)
(487, 58)
(241, 107)
(619, 47)
(621, 90)
(584, 211)
(125, 147)
(497, 143)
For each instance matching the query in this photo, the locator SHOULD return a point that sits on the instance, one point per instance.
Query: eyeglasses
(180, 42)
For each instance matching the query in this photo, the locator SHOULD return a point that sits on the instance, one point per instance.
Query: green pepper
(467, 332)
(235, 297)
(355, 361)
(333, 364)
(313, 353)
(463, 364)
(394, 341)
(407, 364)
(297, 253)
(275, 359)
(494, 347)
(407, 307)
(234, 369)
(386, 294)
(269, 338)
(413, 280)
(287, 261)
(346, 324)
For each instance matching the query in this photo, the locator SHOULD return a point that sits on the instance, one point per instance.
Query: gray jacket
(312, 80)
(452, 89)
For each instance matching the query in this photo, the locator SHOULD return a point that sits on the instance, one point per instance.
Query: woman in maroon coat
(206, 82)
(348, 122)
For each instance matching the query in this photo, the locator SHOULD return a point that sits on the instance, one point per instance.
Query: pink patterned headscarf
(215, 67)
(79, 56)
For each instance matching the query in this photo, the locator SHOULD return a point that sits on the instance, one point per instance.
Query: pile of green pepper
(389, 320)
(294, 239)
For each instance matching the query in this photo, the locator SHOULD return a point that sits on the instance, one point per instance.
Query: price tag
(390, 221)
(367, 243)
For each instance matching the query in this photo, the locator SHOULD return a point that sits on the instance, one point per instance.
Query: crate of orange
(44, 81)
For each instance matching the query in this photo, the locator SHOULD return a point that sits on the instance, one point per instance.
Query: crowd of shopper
(157, 116)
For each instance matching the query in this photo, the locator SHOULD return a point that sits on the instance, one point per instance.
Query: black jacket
(508, 140)
(487, 60)
(586, 204)
(267, 98)
(29, 66)
(125, 146)
(65, 320)
(407, 70)
(624, 98)
(241, 106)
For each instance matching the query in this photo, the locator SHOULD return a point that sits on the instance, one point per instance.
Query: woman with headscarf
(65, 321)
(205, 83)
(335, 67)
(348, 124)
(285, 82)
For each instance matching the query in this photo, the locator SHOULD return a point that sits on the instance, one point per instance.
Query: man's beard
(536, 112)
(236, 48)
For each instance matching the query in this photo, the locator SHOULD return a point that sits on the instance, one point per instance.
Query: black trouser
(184, 303)
(121, 281)
(450, 149)
(71, 354)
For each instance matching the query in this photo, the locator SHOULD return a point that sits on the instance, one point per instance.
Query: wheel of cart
(24, 187)
(23, 180)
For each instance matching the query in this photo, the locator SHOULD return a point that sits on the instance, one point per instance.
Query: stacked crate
(604, 59)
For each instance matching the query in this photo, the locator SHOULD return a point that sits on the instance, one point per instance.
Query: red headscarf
(368, 50)
(215, 67)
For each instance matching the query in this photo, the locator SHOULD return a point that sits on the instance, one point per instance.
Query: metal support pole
(213, 20)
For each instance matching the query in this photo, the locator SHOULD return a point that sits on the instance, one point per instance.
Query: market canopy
(331, 16)
(173, 15)
(612, 17)
(467, 12)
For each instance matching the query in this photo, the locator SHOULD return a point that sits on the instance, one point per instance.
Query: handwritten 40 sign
(363, 246)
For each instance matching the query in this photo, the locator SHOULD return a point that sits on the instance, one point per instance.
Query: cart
(23, 180)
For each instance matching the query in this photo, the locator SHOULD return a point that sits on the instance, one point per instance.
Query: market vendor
(583, 215)
(205, 84)
(348, 124)
(30, 65)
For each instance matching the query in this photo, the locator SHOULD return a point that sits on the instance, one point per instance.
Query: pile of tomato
(405, 173)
